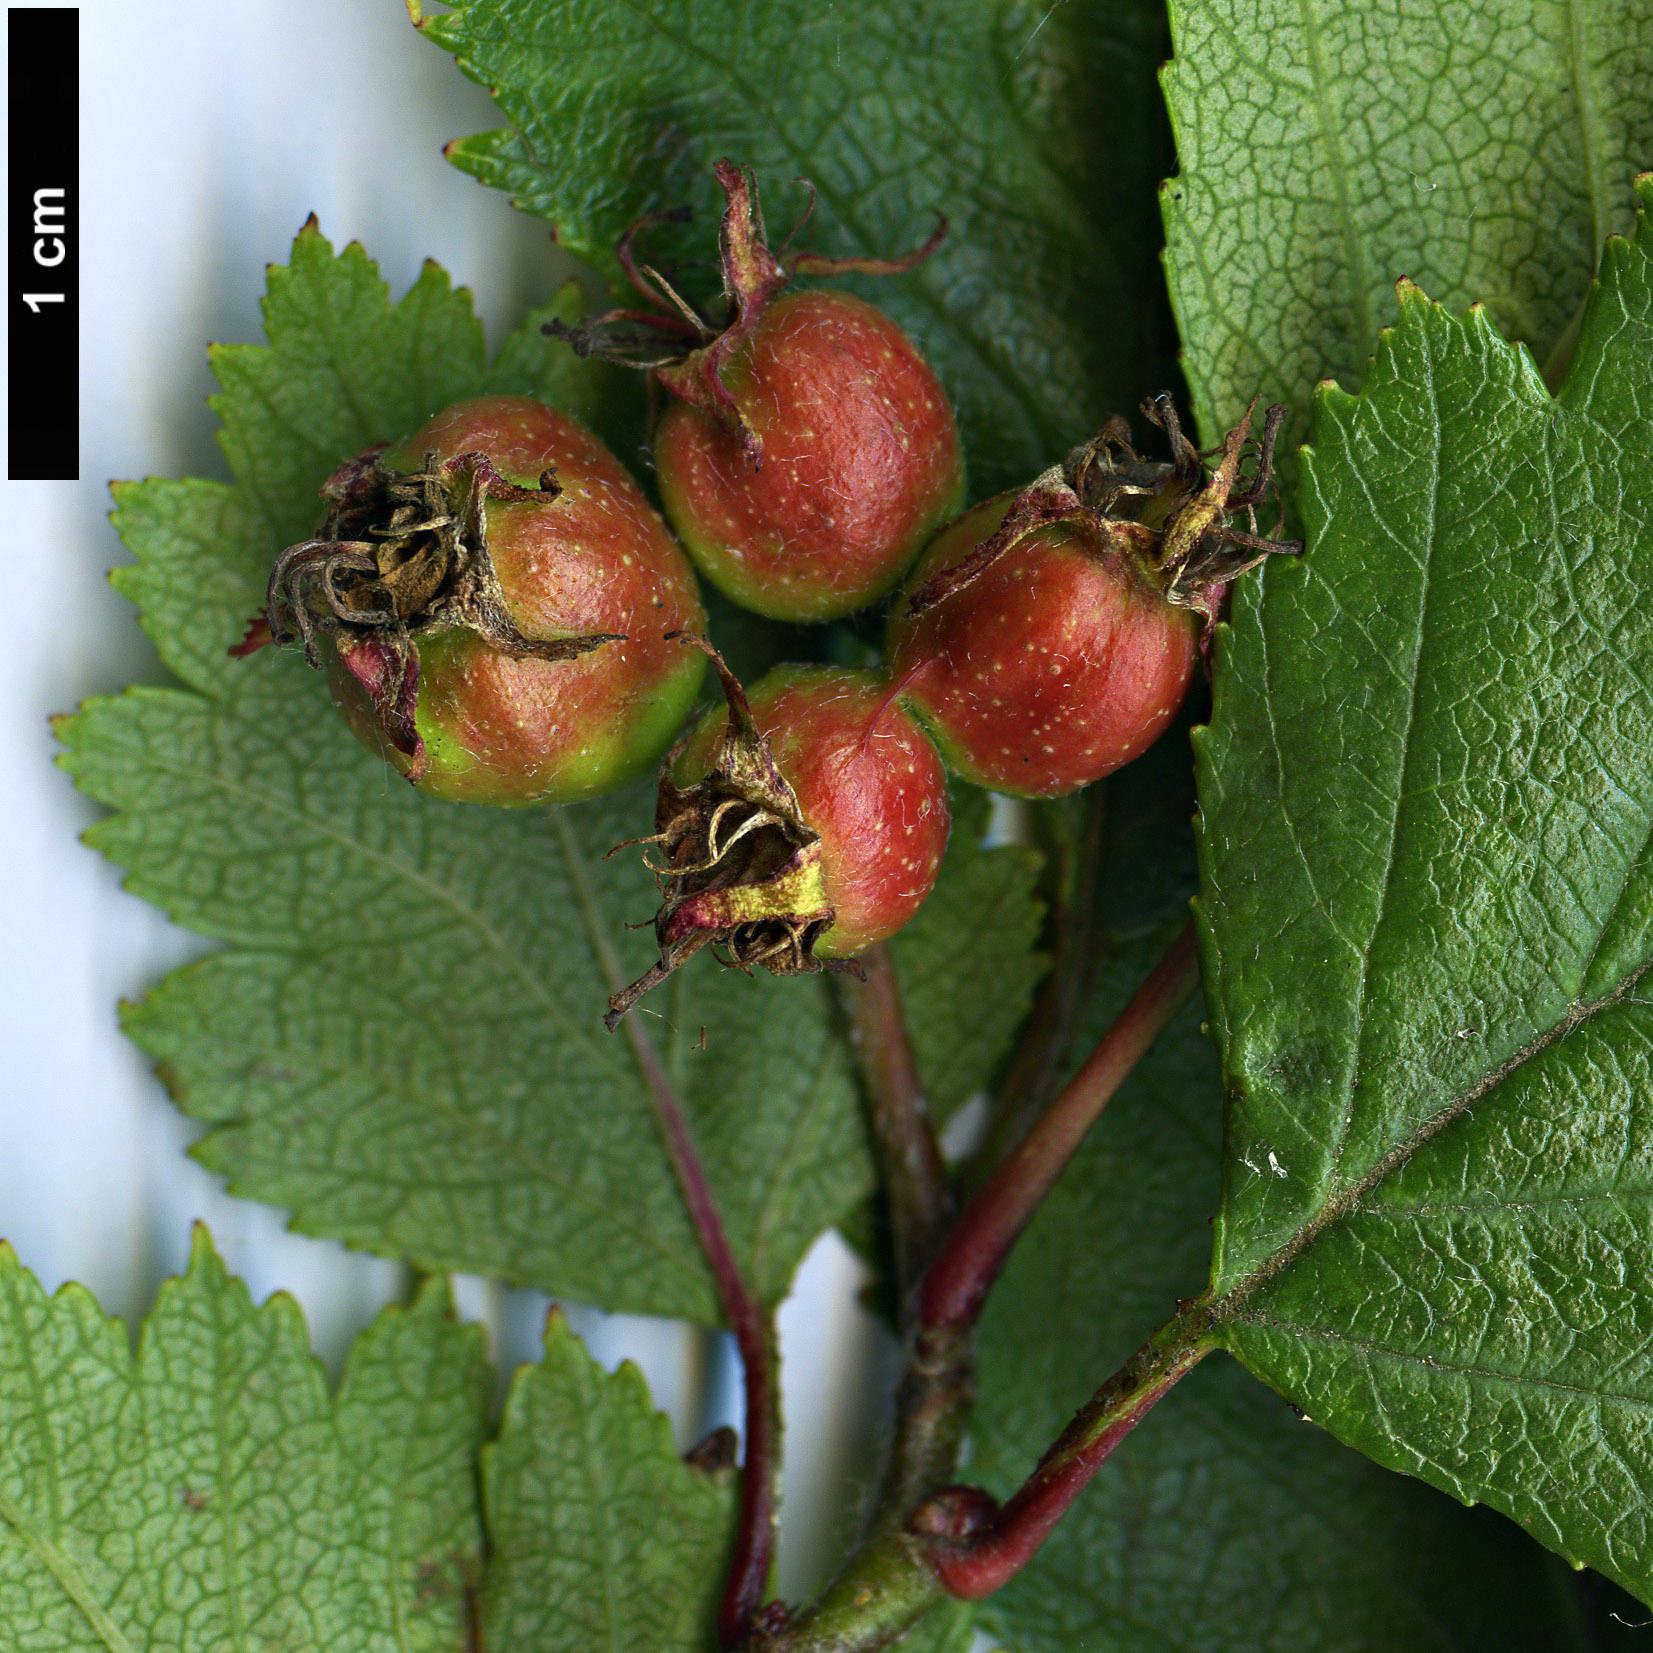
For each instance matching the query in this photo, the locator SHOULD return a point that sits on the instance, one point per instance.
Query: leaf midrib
(1371, 1348)
(1228, 1306)
(1360, 303)
(1589, 121)
(1408, 754)
(226, 1504)
(601, 1505)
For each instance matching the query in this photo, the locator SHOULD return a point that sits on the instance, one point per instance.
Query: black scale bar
(43, 365)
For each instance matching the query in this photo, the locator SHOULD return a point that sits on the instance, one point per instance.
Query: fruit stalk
(1077, 941)
(755, 1529)
(924, 1544)
(933, 1398)
(904, 1142)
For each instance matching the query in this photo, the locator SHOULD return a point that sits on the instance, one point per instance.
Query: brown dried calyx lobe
(737, 865)
(1177, 519)
(689, 353)
(401, 555)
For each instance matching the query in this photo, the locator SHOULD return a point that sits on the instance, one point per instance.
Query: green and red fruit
(1056, 665)
(795, 827)
(810, 451)
(1050, 636)
(494, 599)
(839, 462)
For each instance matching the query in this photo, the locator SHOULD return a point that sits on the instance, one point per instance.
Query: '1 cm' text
(50, 247)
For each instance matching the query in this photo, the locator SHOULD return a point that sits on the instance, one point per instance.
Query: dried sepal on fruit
(403, 554)
(794, 827)
(1177, 518)
(1050, 635)
(490, 601)
(808, 450)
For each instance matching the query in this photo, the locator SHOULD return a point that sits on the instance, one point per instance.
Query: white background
(209, 130)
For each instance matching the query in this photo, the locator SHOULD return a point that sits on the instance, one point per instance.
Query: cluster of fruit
(510, 621)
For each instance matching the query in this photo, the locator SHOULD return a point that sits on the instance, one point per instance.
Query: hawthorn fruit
(809, 450)
(1050, 636)
(795, 827)
(494, 598)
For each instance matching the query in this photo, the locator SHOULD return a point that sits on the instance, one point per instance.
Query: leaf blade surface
(1326, 151)
(1427, 826)
(988, 114)
(601, 1535)
(209, 1493)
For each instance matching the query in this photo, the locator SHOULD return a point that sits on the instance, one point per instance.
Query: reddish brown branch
(904, 1141)
(956, 1543)
(961, 1275)
(991, 1557)
(755, 1531)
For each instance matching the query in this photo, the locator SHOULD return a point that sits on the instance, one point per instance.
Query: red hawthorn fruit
(499, 595)
(810, 451)
(798, 826)
(1052, 668)
(860, 461)
(1048, 637)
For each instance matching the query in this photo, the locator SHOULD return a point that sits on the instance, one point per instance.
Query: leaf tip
(203, 1255)
(556, 1329)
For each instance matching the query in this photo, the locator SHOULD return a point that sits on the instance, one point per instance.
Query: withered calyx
(739, 868)
(402, 554)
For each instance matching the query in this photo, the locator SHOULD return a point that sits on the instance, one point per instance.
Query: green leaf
(1036, 130)
(600, 1534)
(208, 1493)
(405, 1047)
(343, 367)
(1484, 150)
(1427, 898)
(968, 963)
(1224, 1523)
